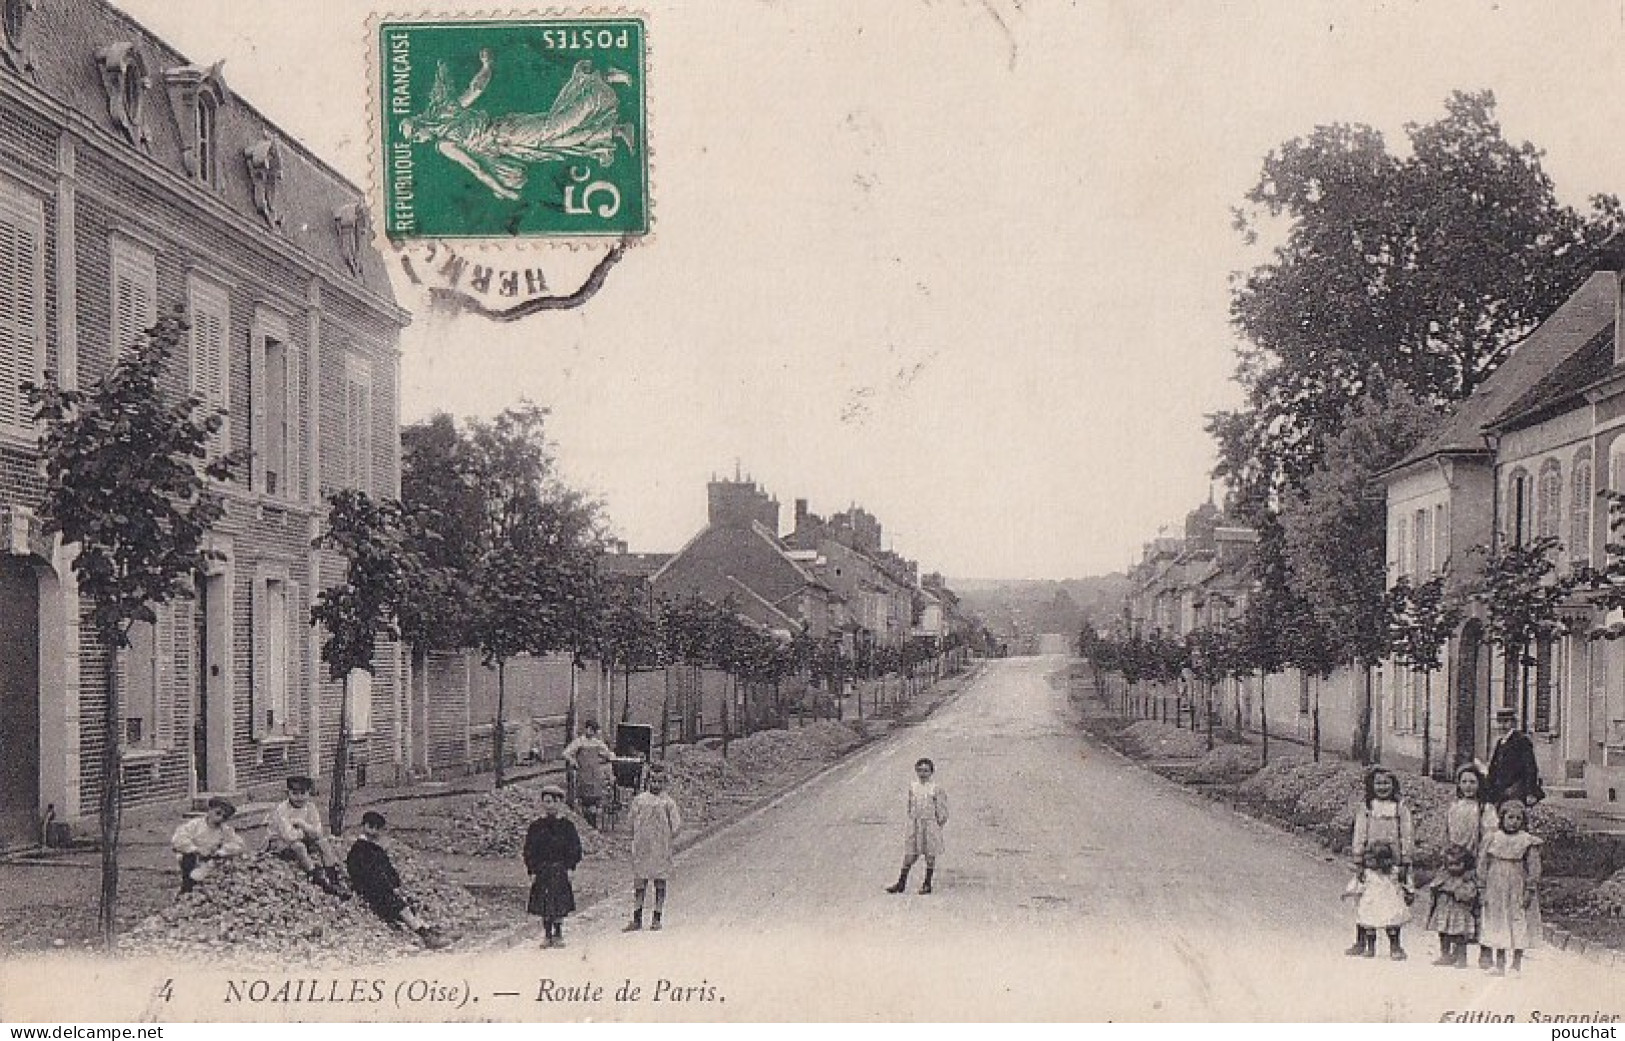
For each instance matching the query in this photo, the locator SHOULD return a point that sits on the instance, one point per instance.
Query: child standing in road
(552, 851)
(1509, 881)
(655, 822)
(588, 758)
(374, 876)
(927, 813)
(1383, 902)
(1453, 906)
(202, 840)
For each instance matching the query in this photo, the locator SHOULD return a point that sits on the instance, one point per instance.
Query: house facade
(1524, 458)
(133, 182)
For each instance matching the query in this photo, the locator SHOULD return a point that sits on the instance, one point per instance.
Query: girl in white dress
(927, 813)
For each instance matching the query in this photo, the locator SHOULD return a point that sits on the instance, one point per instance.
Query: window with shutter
(209, 306)
(358, 423)
(1580, 506)
(276, 653)
(359, 686)
(1401, 548)
(1549, 523)
(135, 295)
(22, 317)
(1546, 668)
(1518, 505)
(138, 677)
(1422, 545)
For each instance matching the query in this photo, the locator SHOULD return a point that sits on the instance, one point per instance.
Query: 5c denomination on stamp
(513, 129)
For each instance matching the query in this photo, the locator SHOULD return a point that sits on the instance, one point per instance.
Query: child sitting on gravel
(655, 823)
(293, 831)
(375, 879)
(203, 840)
(552, 851)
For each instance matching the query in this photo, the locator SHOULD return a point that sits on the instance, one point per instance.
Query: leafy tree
(127, 471)
(509, 550)
(372, 536)
(1209, 651)
(1421, 620)
(1521, 591)
(1418, 271)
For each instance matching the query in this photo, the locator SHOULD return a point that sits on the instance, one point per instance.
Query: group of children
(294, 832)
(1486, 891)
(553, 850)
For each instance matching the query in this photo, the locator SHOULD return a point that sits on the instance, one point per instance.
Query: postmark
(518, 129)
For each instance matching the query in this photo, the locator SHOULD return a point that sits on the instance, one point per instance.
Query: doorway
(1464, 702)
(19, 703)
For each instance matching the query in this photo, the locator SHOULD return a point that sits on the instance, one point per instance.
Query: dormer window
(354, 229)
(207, 114)
(13, 20)
(125, 79)
(196, 97)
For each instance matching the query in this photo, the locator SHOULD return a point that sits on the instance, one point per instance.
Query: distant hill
(1025, 608)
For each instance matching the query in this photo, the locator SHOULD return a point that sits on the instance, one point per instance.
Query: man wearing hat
(1513, 774)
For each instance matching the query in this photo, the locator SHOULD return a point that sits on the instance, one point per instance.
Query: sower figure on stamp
(378, 883)
(552, 851)
(203, 840)
(927, 813)
(588, 759)
(655, 823)
(583, 123)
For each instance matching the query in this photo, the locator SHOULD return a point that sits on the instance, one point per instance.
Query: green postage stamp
(513, 129)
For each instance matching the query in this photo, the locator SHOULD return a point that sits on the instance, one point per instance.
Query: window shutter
(293, 487)
(1580, 512)
(22, 275)
(259, 694)
(360, 687)
(1544, 668)
(170, 671)
(135, 296)
(256, 408)
(296, 659)
(1401, 547)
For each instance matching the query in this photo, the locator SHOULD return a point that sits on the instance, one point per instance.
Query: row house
(1524, 458)
(880, 587)
(134, 182)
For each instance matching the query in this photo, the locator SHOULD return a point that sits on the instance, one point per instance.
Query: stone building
(133, 182)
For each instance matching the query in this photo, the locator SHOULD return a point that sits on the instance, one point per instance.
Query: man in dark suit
(1513, 773)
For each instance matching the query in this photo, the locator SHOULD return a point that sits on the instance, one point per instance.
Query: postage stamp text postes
(513, 129)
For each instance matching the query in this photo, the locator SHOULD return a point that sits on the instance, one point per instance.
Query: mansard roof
(72, 43)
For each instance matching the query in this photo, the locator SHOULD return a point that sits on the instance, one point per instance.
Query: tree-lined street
(1075, 884)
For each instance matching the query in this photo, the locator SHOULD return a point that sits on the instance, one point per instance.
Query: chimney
(801, 514)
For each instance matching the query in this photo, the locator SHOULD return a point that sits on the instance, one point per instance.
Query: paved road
(1075, 885)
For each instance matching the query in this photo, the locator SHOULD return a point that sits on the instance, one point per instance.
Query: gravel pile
(1226, 764)
(495, 824)
(1150, 739)
(262, 907)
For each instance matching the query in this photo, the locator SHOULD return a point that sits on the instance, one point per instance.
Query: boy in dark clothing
(552, 851)
(374, 877)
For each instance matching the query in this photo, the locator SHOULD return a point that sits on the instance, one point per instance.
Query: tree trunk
(1264, 720)
(1315, 721)
(665, 714)
(499, 730)
(1360, 748)
(112, 801)
(1427, 723)
(338, 795)
(1210, 714)
(570, 707)
(626, 694)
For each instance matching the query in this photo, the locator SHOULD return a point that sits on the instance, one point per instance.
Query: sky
(964, 263)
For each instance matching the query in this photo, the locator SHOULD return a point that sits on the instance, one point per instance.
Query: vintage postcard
(949, 510)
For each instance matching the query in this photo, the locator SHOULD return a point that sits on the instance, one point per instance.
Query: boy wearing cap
(552, 851)
(293, 831)
(655, 822)
(378, 883)
(203, 840)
